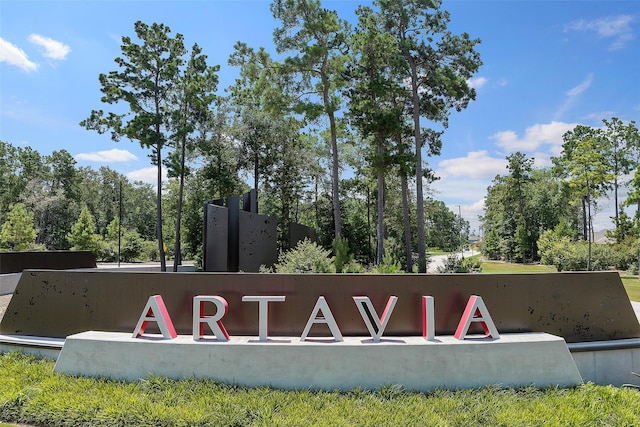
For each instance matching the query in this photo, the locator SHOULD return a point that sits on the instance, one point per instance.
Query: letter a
(155, 311)
(476, 311)
(368, 313)
(326, 318)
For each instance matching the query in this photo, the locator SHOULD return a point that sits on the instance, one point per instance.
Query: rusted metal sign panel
(257, 243)
(216, 236)
(577, 306)
(15, 262)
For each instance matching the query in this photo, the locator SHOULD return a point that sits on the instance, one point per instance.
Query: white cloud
(534, 137)
(477, 164)
(543, 160)
(577, 90)
(470, 212)
(148, 175)
(53, 49)
(109, 156)
(572, 94)
(616, 27)
(477, 82)
(15, 56)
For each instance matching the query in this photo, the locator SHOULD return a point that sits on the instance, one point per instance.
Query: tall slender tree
(144, 81)
(317, 38)
(519, 167)
(190, 121)
(585, 166)
(439, 65)
(373, 105)
(622, 139)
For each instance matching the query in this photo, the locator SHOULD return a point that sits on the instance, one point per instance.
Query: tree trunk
(422, 262)
(177, 257)
(584, 219)
(615, 197)
(590, 239)
(335, 176)
(369, 221)
(407, 222)
(163, 264)
(380, 225)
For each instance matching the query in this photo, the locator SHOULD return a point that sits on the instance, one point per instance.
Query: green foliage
(32, 393)
(306, 257)
(491, 247)
(389, 265)
(558, 248)
(131, 244)
(341, 253)
(150, 251)
(568, 255)
(83, 235)
(446, 229)
(521, 205)
(18, 232)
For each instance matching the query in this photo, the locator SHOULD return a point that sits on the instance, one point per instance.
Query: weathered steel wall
(257, 242)
(299, 232)
(216, 237)
(15, 262)
(237, 240)
(576, 306)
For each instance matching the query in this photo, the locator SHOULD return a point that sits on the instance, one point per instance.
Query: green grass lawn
(32, 393)
(632, 285)
(507, 267)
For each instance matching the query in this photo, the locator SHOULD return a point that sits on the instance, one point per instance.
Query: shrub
(389, 265)
(150, 250)
(353, 267)
(453, 264)
(306, 257)
(18, 232)
(341, 253)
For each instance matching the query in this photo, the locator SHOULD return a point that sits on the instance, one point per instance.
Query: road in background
(437, 261)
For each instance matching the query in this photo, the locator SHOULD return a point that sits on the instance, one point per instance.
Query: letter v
(376, 325)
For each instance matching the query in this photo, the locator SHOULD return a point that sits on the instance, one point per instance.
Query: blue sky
(548, 65)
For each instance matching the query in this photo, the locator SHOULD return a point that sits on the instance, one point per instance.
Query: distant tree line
(534, 214)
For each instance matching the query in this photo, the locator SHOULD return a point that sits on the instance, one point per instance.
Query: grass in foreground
(31, 393)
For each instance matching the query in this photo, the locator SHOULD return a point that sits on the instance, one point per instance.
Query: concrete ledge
(38, 346)
(579, 347)
(609, 367)
(538, 359)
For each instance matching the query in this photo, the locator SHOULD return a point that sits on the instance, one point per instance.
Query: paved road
(439, 260)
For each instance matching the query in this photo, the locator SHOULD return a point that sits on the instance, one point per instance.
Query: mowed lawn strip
(32, 393)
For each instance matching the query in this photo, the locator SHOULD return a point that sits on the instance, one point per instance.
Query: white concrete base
(416, 364)
(610, 364)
